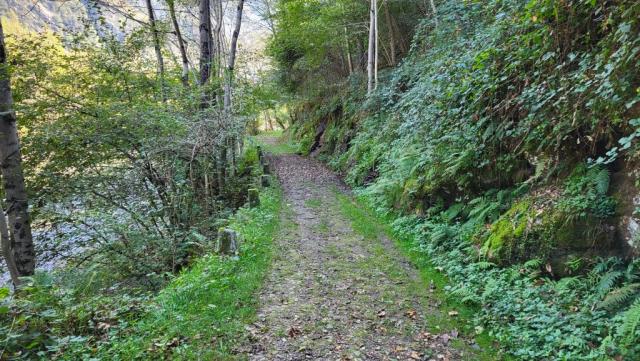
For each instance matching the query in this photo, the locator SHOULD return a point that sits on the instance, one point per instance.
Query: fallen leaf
(414, 355)
(453, 313)
(294, 332)
(382, 313)
(411, 314)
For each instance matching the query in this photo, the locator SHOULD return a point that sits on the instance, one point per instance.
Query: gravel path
(334, 294)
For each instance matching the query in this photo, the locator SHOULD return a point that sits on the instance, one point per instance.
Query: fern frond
(607, 281)
(620, 296)
(535, 263)
(566, 283)
(466, 296)
(601, 181)
(483, 265)
(631, 320)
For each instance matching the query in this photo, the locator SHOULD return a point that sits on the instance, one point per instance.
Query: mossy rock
(510, 233)
(535, 228)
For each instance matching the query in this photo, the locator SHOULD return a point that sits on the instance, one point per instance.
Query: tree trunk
(158, 50)
(371, 50)
(377, 47)
(13, 179)
(435, 12)
(218, 38)
(5, 243)
(349, 60)
(205, 41)
(232, 58)
(181, 44)
(392, 39)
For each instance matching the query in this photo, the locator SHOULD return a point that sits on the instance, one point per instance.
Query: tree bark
(232, 57)
(12, 177)
(205, 47)
(435, 12)
(377, 47)
(392, 39)
(181, 44)
(5, 243)
(371, 50)
(349, 59)
(158, 50)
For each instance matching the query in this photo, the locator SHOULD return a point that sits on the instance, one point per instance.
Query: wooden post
(254, 197)
(227, 242)
(260, 155)
(265, 180)
(265, 168)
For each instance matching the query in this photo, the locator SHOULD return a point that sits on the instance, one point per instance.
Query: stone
(265, 180)
(253, 197)
(227, 242)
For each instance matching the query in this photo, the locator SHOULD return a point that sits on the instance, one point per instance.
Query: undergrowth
(202, 313)
(199, 315)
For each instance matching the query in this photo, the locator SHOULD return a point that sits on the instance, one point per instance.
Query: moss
(537, 226)
(509, 230)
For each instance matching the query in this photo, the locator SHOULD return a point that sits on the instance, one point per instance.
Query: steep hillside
(505, 144)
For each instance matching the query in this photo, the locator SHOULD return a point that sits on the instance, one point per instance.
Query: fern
(601, 181)
(484, 265)
(631, 320)
(567, 283)
(532, 264)
(619, 296)
(465, 295)
(607, 281)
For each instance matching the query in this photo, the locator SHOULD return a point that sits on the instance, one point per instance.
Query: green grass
(201, 315)
(313, 203)
(284, 145)
(367, 224)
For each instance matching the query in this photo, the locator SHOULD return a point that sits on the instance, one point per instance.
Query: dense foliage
(127, 189)
(505, 143)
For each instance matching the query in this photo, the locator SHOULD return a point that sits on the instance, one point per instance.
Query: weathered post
(260, 155)
(227, 242)
(253, 197)
(265, 168)
(265, 180)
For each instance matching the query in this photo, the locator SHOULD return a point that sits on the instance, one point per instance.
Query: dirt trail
(334, 294)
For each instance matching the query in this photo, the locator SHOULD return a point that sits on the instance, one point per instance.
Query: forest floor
(339, 288)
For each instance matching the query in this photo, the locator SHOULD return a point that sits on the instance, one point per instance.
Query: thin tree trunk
(205, 47)
(13, 179)
(181, 44)
(158, 50)
(5, 243)
(232, 58)
(349, 60)
(377, 47)
(371, 50)
(218, 35)
(435, 12)
(392, 38)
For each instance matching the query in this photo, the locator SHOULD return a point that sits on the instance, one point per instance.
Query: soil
(335, 294)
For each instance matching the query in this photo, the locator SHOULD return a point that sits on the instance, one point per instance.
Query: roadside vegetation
(503, 144)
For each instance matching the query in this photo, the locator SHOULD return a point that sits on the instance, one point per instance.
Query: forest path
(339, 290)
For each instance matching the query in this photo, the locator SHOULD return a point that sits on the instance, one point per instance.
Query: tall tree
(158, 50)
(12, 177)
(181, 44)
(390, 29)
(232, 57)
(372, 51)
(206, 41)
